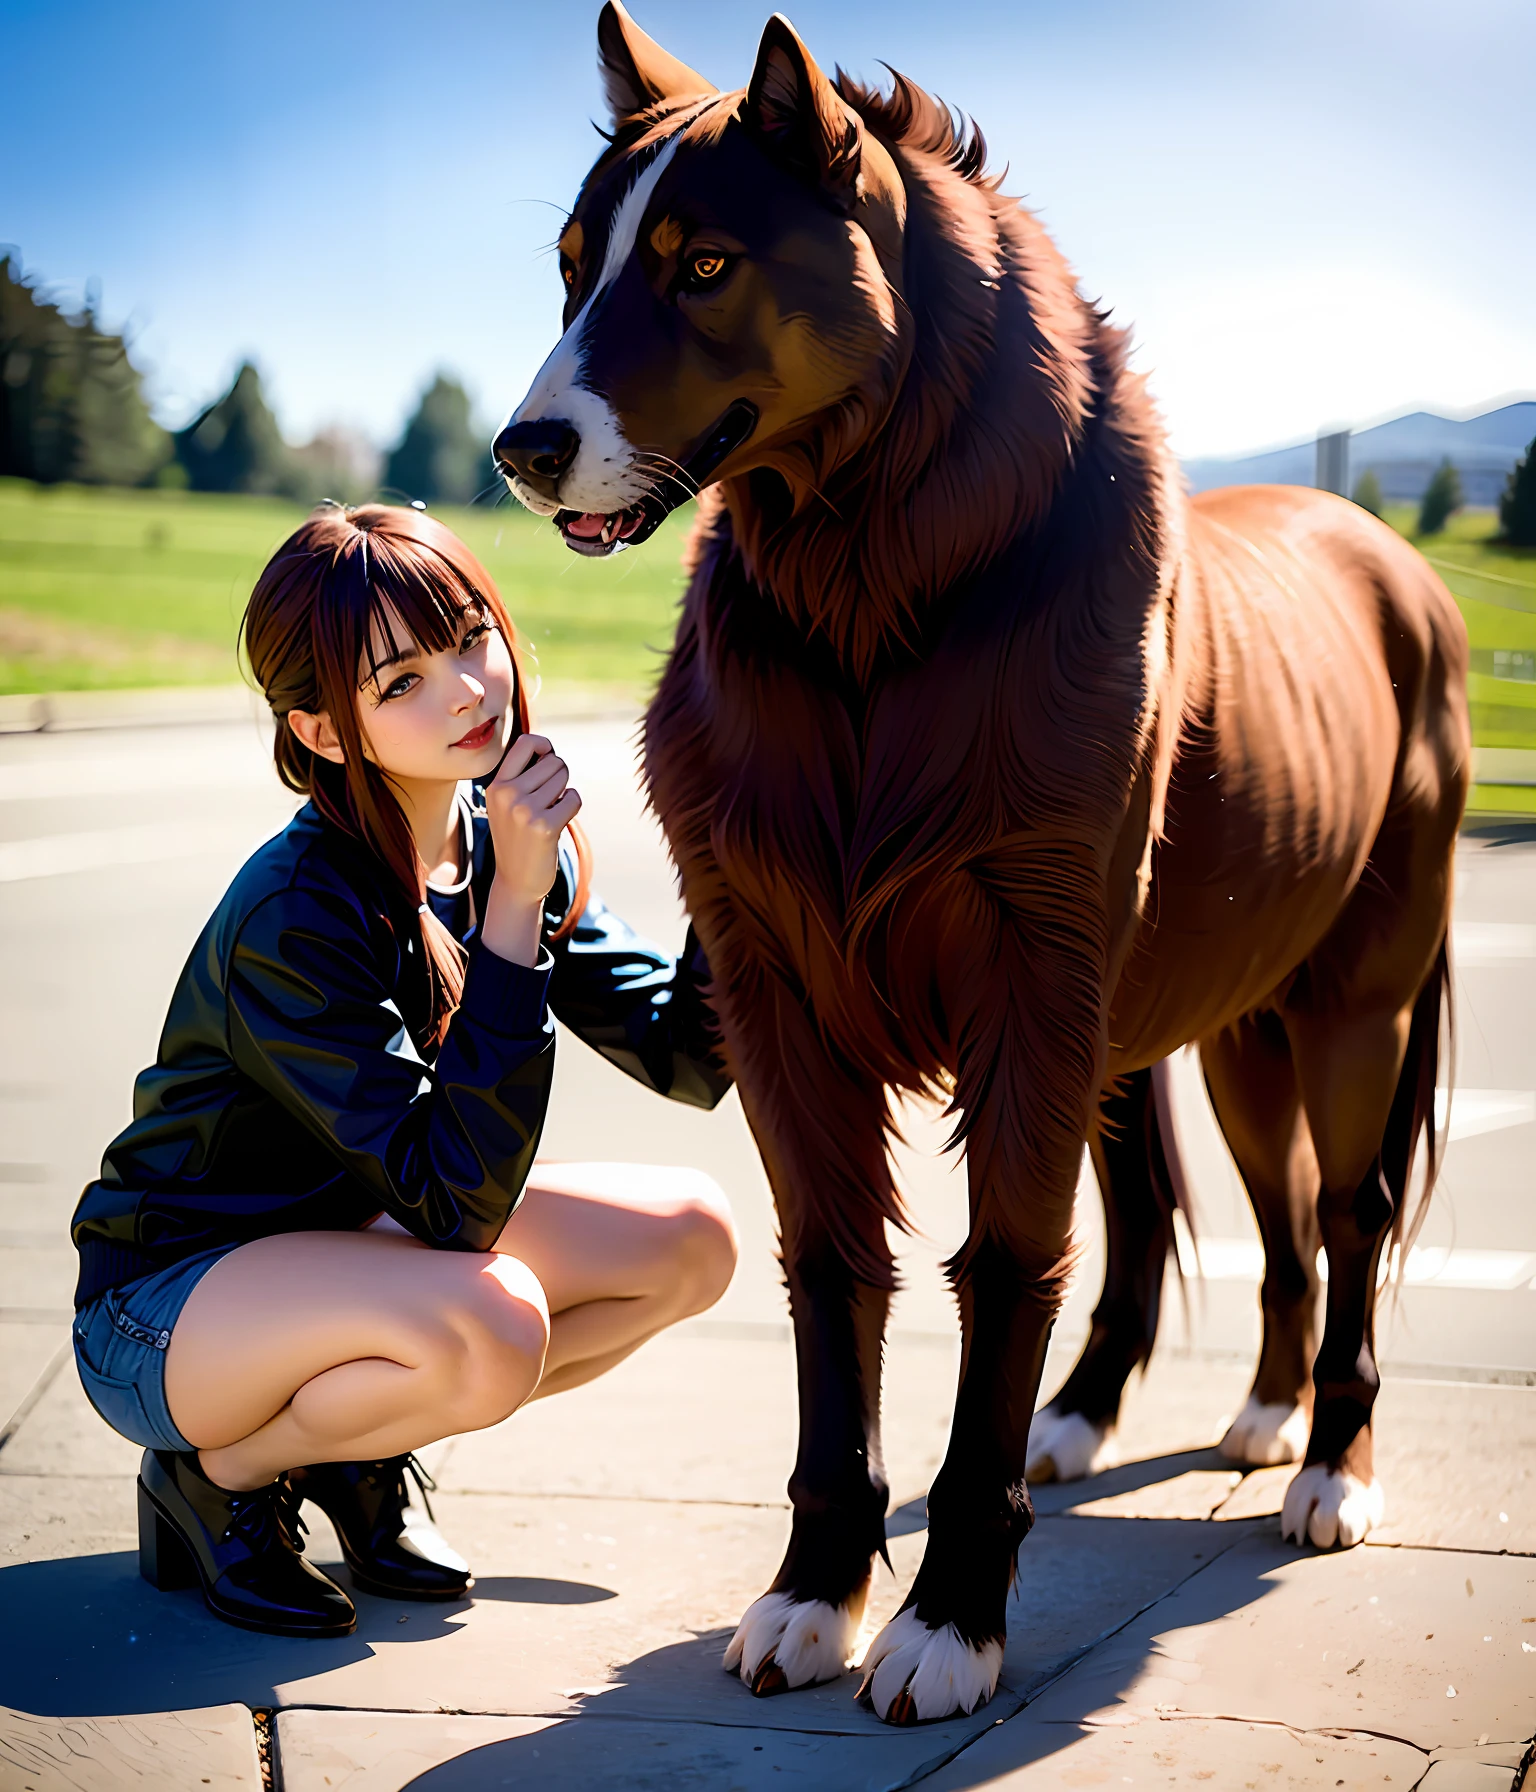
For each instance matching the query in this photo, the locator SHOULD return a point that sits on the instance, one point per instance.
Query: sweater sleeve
(444, 1147)
(641, 1008)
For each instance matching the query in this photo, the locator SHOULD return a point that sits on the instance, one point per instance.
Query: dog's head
(732, 274)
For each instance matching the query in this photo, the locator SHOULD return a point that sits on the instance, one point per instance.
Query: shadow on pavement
(517, 1590)
(673, 1719)
(1052, 1497)
(86, 1637)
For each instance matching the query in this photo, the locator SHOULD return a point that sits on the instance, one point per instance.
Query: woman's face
(439, 716)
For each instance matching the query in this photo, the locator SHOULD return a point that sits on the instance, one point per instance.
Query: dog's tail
(1169, 1178)
(1414, 1111)
(1138, 1137)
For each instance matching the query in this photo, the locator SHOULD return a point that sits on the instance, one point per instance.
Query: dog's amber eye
(705, 270)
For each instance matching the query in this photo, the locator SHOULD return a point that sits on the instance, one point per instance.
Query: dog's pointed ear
(794, 109)
(635, 70)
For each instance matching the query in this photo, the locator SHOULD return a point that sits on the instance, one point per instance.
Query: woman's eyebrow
(409, 652)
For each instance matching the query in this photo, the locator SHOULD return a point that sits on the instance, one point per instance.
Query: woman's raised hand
(527, 803)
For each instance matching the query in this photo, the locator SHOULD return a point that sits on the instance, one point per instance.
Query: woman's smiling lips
(479, 737)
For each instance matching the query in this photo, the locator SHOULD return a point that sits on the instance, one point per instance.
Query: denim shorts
(120, 1343)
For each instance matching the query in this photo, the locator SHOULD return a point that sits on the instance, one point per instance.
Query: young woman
(324, 1240)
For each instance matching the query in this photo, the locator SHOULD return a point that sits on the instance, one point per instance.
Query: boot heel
(164, 1559)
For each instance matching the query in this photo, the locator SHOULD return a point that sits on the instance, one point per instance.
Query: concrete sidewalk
(1160, 1633)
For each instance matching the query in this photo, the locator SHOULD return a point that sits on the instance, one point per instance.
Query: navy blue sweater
(294, 1090)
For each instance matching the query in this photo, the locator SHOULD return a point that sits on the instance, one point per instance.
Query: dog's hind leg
(1252, 1084)
(805, 1628)
(1364, 1020)
(1074, 1435)
(1368, 1081)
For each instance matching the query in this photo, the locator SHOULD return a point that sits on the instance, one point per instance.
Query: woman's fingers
(550, 813)
(531, 799)
(566, 810)
(525, 752)
(534, 789)
(549, 770)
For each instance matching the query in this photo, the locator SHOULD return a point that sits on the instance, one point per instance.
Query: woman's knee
(705, 1236)
(499, 1322)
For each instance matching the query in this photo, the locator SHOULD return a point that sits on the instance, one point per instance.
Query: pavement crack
(622, 1499)
(1034, 1693)
(1448, 1549)
(39, 1387)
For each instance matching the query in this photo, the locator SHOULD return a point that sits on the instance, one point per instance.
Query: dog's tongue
(590, 524)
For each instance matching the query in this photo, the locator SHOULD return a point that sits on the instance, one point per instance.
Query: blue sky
(1310, 211)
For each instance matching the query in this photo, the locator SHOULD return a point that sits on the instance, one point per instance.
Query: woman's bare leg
(346, 1346)
(622, 1251)
(342, 1346)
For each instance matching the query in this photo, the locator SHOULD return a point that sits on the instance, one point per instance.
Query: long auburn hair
(308, 631)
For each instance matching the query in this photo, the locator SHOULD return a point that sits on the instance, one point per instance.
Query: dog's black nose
(538, 452)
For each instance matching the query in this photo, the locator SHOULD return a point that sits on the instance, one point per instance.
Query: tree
(1517, 507)
(1367, 493)
(442, 458)
(70, 403)
(1442, 498)
(235, 445)
(338, 463)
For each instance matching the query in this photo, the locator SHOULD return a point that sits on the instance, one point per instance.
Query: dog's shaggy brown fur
(994, 767)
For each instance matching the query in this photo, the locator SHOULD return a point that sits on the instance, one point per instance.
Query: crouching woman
(324, 1241)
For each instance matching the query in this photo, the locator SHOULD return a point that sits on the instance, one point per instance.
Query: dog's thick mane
(1001, 381)
(918, 120)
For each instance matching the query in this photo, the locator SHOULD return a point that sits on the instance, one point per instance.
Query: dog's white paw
(1064, 1446)
(913, 1673)
(1264, 1435)
(782, 1642)
(1331, 1506)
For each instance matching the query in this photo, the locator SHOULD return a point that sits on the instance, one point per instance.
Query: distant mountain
(1402, 454)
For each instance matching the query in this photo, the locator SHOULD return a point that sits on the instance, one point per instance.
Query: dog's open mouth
(594, 533)
(590, 532)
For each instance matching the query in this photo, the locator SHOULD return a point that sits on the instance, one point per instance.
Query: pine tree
(1367, 492)
(70, 403)
(235, 445)
(1517, 507)
(442, 458)
(1442, 498)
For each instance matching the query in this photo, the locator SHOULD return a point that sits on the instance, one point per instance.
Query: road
(618, 1532)
(116, 842)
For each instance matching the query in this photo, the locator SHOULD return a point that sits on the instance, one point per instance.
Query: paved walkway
(1161, 1633)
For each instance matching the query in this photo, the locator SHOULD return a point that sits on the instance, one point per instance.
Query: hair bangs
(409, 586)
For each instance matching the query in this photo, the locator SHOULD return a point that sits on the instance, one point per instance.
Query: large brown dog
(992, 766)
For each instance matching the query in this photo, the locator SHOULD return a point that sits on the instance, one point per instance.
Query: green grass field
(1496, 589)
(108, 588)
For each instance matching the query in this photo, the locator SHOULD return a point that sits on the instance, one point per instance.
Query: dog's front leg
(1026, 1090)
(823, 1144)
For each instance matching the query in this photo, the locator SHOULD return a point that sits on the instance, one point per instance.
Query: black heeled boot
(391, 1544)
(242, 1549)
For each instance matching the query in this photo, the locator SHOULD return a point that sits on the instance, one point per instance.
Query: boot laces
(269, 1518)
(391, 1472)
(413, 1466)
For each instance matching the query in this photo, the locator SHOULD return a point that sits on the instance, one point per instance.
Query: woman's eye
(705, 270)
(474, 636)
(400, 686)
